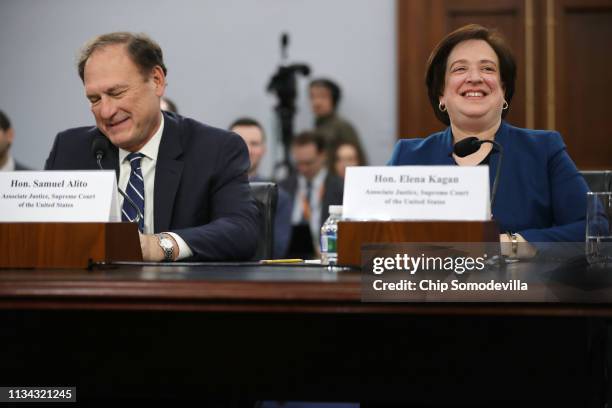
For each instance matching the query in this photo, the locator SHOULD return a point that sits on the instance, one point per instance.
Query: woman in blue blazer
(470, 79)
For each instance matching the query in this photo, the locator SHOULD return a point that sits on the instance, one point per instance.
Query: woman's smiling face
(473, 92)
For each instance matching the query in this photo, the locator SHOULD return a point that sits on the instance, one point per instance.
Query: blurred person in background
(325, 96)
(347, 154)
(7, 135)
(313, 188)
(254, 136)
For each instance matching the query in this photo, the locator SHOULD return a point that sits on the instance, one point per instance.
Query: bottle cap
(335, 209)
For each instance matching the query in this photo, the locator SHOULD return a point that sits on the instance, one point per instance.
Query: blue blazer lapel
(168, 171)
(446, 142)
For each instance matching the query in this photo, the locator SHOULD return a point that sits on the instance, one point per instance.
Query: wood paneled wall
(563, 50)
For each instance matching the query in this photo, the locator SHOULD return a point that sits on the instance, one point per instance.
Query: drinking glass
(598, 228)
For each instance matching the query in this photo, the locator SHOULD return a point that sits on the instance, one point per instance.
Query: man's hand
(151, 251)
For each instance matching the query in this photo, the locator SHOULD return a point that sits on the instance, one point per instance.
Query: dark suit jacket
(332, 195)
(541, 195)
(201, 186)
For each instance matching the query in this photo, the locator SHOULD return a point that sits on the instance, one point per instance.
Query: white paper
(58, 196)
(417, 193)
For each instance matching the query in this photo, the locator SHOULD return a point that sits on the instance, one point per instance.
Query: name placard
(58, 196)
(417, 193)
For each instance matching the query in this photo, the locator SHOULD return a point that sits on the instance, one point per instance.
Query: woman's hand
(521, 250)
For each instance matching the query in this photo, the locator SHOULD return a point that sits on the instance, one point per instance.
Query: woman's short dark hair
(331, 86)
(143, 51)
(436, 65)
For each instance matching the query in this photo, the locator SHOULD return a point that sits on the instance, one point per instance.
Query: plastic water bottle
(329, 236)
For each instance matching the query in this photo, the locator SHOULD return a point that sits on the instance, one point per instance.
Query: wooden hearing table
(197, 332)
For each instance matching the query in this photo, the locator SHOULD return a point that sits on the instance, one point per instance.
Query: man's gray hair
(143, 51)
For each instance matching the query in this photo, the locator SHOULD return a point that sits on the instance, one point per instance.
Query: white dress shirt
(9, 165)
(147, 165)
(316, 197)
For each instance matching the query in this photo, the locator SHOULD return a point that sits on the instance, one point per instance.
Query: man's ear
(159, 80)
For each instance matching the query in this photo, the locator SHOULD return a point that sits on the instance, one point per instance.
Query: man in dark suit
(313, 189)
(7, 134)
(187, 180)
(254, 136)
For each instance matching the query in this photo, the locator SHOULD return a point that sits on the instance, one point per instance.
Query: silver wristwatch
(165, 242)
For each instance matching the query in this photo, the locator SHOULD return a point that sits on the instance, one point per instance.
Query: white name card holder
(63, 219)
(414, 204)
(417, 193)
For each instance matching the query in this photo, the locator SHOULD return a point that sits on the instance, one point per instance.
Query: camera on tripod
(284, 84)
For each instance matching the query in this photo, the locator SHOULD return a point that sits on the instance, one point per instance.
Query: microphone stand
(497, 172)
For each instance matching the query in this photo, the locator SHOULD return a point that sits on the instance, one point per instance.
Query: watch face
(165, 243)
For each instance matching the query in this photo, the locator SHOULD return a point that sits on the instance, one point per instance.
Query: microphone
(99, 147)
(467, 146)
(470, 145)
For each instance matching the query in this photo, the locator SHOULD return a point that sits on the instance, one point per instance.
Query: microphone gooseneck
(470, 145)
(99, 147)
